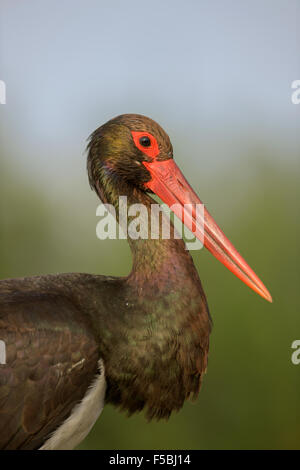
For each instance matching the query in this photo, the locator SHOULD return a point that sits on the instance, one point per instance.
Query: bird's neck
(157, 262)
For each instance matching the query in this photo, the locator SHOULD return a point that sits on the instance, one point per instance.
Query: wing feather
(51, 359)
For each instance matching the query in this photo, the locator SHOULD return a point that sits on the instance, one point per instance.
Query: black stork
(76, 341)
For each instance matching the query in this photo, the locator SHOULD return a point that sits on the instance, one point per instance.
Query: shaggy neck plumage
(154, 260)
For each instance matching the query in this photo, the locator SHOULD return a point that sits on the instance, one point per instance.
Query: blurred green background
(239, 149)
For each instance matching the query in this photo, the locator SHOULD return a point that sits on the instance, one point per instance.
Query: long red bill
(171, 186)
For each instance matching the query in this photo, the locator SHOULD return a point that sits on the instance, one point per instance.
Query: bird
(75, 342)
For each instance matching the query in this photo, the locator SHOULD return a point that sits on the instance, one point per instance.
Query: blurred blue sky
(216, 74)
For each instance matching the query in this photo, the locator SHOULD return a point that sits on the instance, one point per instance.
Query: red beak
(171, 186)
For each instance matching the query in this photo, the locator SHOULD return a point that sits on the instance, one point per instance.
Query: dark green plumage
(151, 328)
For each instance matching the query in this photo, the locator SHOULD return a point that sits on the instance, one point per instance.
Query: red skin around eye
(152, 150)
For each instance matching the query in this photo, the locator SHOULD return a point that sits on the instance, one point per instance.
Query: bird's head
(121, 149)
(134, 150)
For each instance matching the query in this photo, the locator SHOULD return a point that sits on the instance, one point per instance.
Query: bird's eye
(145, 141)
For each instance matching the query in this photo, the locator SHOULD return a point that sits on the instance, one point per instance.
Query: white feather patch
(82, 418)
